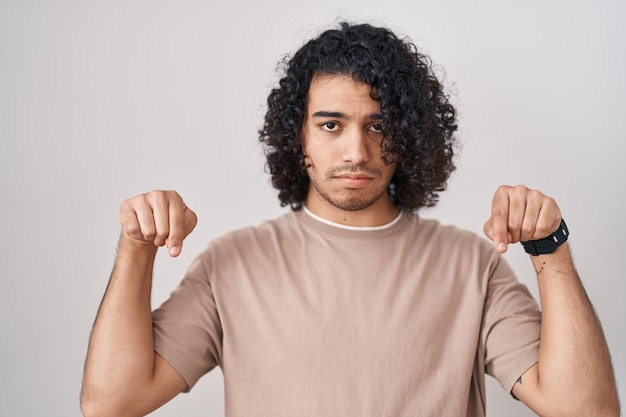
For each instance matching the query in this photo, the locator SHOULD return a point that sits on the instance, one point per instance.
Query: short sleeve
(511, 326)
(187, 330)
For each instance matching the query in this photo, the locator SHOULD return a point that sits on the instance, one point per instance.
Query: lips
(354, 176)
(354, 181)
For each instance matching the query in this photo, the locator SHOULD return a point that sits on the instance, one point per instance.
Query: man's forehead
(321, 79)
(338, 93)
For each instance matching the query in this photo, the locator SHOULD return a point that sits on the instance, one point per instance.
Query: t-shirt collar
(346, 227)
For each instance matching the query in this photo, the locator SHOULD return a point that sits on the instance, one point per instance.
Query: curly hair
(418, 120)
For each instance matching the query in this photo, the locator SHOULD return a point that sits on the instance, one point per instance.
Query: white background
(100, 101)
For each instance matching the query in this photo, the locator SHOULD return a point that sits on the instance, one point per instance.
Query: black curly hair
(419, 121)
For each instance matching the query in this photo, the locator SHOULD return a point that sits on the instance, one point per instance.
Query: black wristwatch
(547, 244)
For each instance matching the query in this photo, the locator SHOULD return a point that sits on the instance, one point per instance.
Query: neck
(379, 213)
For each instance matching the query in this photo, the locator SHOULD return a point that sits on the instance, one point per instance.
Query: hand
(519, 214)
(158, 218)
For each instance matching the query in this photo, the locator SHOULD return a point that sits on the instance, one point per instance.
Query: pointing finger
(177, 226)
(496, 227)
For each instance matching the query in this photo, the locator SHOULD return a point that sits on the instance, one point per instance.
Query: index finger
(177, 233)
(497, 228)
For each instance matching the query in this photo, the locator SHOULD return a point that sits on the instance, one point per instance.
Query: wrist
(134, 247)
(549, 244)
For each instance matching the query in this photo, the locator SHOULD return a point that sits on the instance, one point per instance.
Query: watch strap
(547, 244)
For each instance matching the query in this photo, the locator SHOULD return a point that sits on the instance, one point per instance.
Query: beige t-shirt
(309, 319)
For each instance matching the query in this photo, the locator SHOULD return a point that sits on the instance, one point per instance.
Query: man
(352, 304)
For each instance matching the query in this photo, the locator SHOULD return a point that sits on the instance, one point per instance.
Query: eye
(329, 126)
(377, 128)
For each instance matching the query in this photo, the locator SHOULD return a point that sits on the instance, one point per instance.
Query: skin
(341, 139)
(574, 375)
(342, 145)
(123, 375)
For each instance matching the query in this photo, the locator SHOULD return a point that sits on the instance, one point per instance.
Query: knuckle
(160, 237)
(171, 195)
(125, 204)
(550, 203)
(534, 195)
(157, 197)
(543, 229)
(142, 198)
(132, 229)
(125, 208)
(148, 233)
(527, 229)
(503, 189)
(519, 191)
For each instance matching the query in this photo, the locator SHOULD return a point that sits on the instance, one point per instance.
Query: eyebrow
(340, 115)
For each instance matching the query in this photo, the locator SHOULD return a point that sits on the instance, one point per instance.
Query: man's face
(342, 145)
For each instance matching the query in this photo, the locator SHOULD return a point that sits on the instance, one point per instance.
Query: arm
(574, 375)
(123, 375)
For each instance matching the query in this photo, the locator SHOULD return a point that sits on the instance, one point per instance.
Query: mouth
(354, 176)
(354, 180)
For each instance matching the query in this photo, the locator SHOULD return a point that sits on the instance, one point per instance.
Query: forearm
(574, 368)
(121, 350)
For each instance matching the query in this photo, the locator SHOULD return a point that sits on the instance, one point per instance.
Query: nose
(356, 146)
